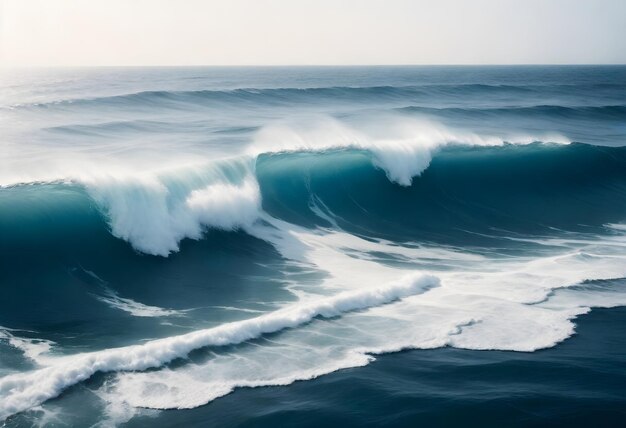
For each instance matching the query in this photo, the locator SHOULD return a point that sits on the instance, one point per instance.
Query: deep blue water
(313, 245)
(579, 383)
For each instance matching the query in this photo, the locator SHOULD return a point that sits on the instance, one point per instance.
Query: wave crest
(403, 147)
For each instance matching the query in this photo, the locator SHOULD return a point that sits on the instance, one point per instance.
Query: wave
(404, 150)
(603, 112)
(33, 349)
(476, 189)
(25, 390)
(511, 304)
(277, 96)
(110, 297)
(154, 219)
(464, 190)
(290, 199)
(155, 210)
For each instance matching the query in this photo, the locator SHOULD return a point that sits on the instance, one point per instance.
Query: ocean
(282, 246)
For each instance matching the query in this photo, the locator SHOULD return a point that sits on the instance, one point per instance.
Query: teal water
(279, 246)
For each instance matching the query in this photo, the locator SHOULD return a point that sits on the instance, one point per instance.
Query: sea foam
(19, 392)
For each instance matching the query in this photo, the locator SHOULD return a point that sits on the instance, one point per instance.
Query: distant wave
(613, 112)
(278, 96)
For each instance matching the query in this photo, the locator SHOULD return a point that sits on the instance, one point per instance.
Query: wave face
(170, 236)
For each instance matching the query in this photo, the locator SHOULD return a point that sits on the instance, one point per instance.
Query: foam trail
(618, 227)
(135, 308)
(33, 349)
(494, 308)
(19, 392)
(110, 297)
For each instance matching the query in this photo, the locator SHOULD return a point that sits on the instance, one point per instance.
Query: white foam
(617, 226)
(350, 341)
(483, 303)
(209, 382)
(36, 350)
(135, 308)
(155, 212)
(225, 206)
(114, 300)
(21, 391)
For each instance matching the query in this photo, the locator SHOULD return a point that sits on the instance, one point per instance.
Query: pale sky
(307, 32)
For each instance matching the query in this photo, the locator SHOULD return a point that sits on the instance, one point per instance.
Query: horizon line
(313, 65)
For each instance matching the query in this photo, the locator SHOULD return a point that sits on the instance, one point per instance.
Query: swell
(535, 113)
(277, 96)
(606, 112)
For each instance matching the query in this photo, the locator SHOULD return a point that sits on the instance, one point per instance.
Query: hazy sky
(197, 32)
